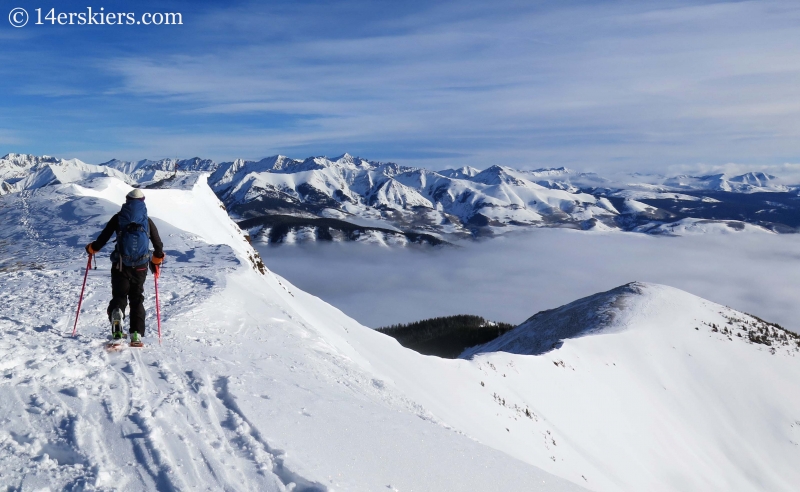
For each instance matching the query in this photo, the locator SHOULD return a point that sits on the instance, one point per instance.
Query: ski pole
(80, 301)
(158, 309)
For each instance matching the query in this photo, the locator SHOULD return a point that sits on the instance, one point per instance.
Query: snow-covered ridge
(614, 311)
(547, 330)
(257, 386)
(643, 387)
(646, 374)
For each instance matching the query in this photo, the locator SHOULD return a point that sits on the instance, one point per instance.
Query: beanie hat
(136, 194)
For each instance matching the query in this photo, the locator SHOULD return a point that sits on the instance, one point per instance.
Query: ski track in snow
(156, 417)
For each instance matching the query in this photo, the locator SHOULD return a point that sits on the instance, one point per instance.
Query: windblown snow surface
(260, 386)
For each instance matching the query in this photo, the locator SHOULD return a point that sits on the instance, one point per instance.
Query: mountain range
(257, 385)
(284, 200)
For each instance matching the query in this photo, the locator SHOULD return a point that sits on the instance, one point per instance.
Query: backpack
(133, 234)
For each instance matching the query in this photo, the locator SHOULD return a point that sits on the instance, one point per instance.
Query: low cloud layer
(511, 278)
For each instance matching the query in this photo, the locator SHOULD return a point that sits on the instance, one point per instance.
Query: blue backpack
(133, 235)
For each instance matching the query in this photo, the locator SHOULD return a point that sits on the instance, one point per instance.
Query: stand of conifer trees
(447, 336)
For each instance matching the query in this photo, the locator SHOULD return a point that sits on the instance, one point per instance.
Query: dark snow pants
(128, 285)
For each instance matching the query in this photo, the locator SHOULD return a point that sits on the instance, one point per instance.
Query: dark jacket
(112, 227)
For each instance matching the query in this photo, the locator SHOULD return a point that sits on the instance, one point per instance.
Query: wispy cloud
(596, 86)
(9, 138)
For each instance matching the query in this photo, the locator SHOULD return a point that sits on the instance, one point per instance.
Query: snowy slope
(657, 390)
(257, 386)
(651, 389)
(685, 227)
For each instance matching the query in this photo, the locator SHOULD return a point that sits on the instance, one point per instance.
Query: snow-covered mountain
(646, 376)
(454, 203)
(465, 172)
(752, 182)
(745, 183)
(17, 166)
(466, 202)
(68, 172)
(146, 171)
(27, 172)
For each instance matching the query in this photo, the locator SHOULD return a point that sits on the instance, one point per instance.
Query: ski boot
(136, 339)
(116, 324)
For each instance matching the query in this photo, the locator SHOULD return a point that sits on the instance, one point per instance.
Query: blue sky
(646, 86)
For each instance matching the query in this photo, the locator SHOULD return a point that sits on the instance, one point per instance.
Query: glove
(91, 250)
(155, 263)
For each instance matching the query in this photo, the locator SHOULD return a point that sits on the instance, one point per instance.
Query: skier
(129, 262)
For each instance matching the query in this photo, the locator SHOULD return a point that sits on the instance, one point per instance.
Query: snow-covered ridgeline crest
(459, 203)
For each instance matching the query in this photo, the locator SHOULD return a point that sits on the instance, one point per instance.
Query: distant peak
(561, 169)
(27, 160)
(753, 177)
(496, 174)
(464, 172)
(348, 159)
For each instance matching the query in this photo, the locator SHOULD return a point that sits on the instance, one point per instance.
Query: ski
(115, 344)
(136, 340)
